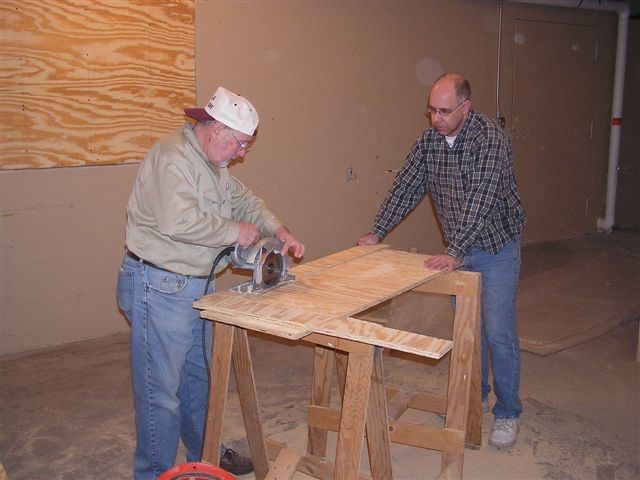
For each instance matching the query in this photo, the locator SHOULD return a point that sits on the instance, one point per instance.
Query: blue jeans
(170, 383)
(500, 343)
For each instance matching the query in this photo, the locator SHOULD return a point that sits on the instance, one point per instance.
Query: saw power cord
(212, 275)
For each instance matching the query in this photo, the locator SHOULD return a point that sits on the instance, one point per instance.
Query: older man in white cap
(185, 208)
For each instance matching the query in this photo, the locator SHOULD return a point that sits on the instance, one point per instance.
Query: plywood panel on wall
(86, 82)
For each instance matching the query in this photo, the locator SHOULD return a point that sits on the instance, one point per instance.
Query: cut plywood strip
(273, 313)
(295, 303)
(380, 336)
(291, 331)
(282, 303)
(324, 300)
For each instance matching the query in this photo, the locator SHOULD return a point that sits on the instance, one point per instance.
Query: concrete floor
(67, 411)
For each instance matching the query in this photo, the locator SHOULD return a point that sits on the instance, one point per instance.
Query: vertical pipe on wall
(606, 223)
(622, 8)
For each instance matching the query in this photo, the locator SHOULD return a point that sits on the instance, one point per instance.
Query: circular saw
(269, 265)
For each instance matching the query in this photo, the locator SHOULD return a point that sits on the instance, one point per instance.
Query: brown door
(553, 101)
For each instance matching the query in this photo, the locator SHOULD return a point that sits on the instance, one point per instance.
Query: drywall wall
(341, 87)
(342, 90)
(62, 241)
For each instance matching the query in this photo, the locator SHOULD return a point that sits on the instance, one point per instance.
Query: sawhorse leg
(220, 369)
(378, 442)
(229, 343)
(464, 409)
(320, 396)
(361, 378)
(354, 414)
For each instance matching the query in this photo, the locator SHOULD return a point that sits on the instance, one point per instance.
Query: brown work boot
(234, 463)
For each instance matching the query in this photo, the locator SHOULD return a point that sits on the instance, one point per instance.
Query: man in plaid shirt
(464, 161)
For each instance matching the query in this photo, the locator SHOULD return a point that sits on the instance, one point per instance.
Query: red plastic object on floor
(196, 471)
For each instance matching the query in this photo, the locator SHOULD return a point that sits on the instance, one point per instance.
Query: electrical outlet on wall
(350, 175)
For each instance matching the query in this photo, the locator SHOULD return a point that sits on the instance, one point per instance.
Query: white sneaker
(504, 432)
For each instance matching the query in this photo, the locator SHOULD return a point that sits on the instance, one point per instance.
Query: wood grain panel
(334, 259)
(374, 334)
(324, 298)
(91, 82)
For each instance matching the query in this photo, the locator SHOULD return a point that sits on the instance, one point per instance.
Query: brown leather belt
(135, 257)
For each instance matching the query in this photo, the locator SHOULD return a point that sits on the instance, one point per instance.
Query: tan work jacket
(183, 210)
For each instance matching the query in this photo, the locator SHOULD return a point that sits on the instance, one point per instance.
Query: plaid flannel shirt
(472, 186)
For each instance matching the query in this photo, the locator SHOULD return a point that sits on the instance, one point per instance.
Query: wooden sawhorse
(316, 309)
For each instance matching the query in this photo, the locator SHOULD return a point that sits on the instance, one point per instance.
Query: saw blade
(271, 269)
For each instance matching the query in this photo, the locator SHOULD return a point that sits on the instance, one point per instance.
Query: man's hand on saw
(289, 243)
(248, 234)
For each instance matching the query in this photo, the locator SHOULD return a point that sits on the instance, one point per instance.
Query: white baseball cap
(227, 107)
